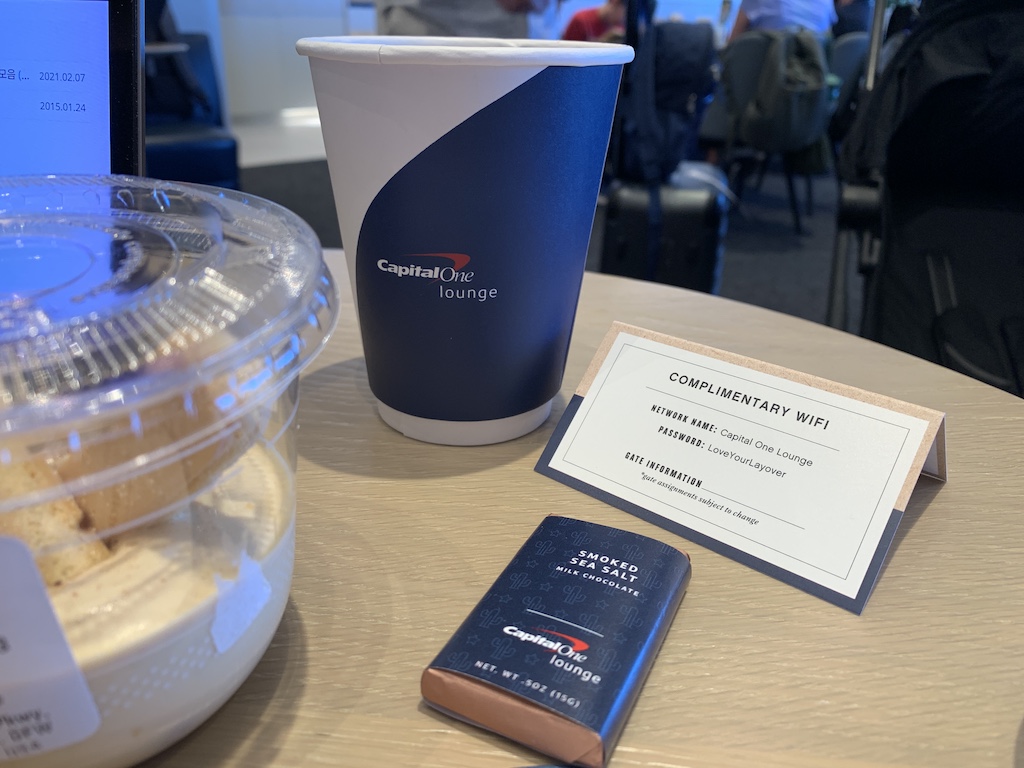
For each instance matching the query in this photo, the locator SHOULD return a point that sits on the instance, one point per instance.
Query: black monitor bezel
(127, 107)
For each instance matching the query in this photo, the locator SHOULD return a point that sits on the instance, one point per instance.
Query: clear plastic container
(151, 337)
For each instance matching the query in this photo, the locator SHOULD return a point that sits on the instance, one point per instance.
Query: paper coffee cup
(465, 174)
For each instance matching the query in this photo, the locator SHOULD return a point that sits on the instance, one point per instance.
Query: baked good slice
(56, 531)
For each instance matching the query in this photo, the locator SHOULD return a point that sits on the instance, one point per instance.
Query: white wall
(264, 73)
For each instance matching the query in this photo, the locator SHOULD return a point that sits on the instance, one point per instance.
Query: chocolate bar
(555, 654)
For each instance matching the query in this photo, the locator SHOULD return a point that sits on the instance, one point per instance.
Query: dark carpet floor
(766, 263)
(304, 188)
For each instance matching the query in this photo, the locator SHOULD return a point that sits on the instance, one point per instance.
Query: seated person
(815, 15)
(603, 23)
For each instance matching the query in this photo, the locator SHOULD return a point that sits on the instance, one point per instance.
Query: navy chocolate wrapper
(573, 624)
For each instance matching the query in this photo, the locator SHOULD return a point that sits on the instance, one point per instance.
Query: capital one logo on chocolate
(573, 649)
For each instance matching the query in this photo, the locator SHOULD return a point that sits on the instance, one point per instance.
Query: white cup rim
(374, 49)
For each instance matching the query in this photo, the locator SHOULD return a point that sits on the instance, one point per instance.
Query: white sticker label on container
(45, 703)
(239, 602)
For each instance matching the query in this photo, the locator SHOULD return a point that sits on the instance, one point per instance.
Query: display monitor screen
(69, 86)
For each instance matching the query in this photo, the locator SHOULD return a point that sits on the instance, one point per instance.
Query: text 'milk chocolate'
(556, 652)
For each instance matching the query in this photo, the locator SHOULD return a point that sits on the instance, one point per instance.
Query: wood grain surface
(397, 540)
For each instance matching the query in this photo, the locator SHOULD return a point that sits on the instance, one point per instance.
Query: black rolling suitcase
(692, 231)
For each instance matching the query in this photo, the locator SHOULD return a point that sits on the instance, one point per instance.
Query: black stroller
(932, 201)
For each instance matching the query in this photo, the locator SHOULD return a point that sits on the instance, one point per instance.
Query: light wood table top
(397, 540)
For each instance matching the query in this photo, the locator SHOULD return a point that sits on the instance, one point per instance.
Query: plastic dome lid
(121, 297)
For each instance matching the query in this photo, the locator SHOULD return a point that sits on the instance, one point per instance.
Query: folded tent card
(796, 476)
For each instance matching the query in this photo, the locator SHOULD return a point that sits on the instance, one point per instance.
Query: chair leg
(835, 312)
(738, 171)
(794, 206)
(762, 169)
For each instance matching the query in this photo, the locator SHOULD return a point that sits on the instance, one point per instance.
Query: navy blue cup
(466, 174)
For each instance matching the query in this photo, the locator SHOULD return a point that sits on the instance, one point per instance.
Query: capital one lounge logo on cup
(465, 174)
(453, 274)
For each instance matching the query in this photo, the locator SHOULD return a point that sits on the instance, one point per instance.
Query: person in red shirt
(603, 22)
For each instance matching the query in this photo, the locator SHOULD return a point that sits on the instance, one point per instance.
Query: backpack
(790, 108)
(665, 91)
(661, 100)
